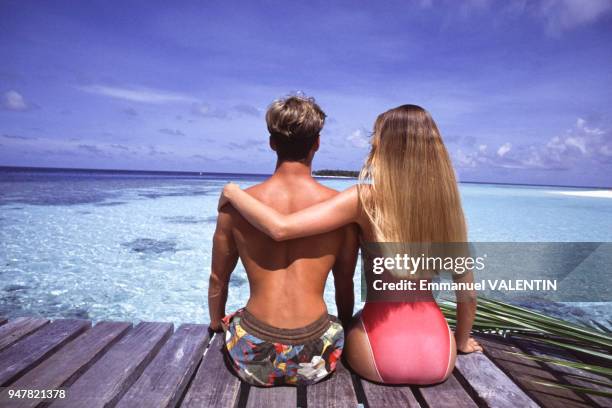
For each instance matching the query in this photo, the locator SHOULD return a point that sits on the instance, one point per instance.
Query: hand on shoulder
(226, 194)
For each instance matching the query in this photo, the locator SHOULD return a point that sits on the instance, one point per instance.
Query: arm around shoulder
(326, 216)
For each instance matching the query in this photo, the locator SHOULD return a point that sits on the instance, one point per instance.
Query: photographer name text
(519, 285)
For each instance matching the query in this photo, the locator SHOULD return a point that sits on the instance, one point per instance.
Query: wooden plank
(335, 391)
(525, 372)
(105, 382)
(163, 382)
(272, 397)
(383, 396)
(490, 383)
(214, 384)
(68, 362)
(573, 376)
(450, 393)
(18, 328)
(31, 350)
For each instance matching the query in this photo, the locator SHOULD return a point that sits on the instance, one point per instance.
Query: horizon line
(196, 173)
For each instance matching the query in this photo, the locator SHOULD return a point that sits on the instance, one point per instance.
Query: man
(284, 335)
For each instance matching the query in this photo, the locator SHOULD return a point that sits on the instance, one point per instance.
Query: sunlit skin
(287, 278)
(342, 209)
(407, 155)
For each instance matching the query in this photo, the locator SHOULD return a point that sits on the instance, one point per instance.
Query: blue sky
(521, 90)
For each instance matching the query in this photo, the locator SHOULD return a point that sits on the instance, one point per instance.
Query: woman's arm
(326, 216)
(466, 312)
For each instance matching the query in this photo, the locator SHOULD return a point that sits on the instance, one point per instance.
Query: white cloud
(171, 132)
(504, 149)
(577, 142)
(556, 16)
(247, 109)
(581, 140)
(206, 111)
(581, 124)
(13, 100)
(142, 95)
(606, 150)
(562, 15)
(464, 159)
(580, 144)
(358, 138)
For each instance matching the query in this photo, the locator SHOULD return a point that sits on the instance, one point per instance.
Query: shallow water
(137, 247)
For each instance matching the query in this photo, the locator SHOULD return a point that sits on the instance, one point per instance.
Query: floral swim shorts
(263, 355)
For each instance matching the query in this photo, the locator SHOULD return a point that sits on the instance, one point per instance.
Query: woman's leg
(453, 356)
(358, 352)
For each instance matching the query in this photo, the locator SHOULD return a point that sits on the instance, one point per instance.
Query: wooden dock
(152, 365)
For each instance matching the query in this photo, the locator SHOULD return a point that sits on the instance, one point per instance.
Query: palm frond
(593, 340)
(585, 390)
(570, 364)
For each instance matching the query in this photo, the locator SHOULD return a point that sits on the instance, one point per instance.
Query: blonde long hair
(408, 187)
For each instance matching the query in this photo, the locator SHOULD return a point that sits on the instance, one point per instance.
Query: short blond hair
(294, 124)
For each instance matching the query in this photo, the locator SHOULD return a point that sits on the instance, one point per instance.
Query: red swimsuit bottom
(410, 341)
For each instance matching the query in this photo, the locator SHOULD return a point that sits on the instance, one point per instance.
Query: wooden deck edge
(183, 394)
(492, 384)
(61, 331)
(501, 367)
(20, 328)
(562, 376)
(472, 392)
(540, 394)
(465, 377)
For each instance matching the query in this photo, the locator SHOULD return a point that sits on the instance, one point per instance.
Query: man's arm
(224, 259)
(343, 271)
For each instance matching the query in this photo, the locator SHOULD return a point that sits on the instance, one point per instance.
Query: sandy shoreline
(342, 177)
(591, 193)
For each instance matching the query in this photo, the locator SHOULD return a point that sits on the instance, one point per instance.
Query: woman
(408, 194)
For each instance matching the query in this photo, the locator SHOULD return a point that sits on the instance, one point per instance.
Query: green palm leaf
(571, 364)
(519, 322)
(585, 390)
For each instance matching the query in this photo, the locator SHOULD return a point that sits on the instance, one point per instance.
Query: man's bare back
(287, 279)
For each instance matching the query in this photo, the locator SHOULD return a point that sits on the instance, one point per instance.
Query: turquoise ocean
(136, 246)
